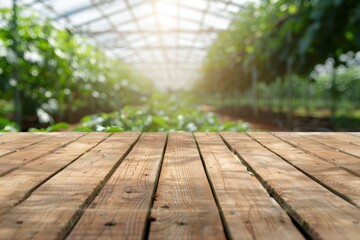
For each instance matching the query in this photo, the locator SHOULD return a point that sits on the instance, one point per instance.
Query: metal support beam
(158, 47)
(149, 31)
(94, 20)
(188, 45)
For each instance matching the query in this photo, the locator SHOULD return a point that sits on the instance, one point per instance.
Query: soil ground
(272, 121)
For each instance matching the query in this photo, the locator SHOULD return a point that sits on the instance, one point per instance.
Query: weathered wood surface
(121, 208)
(12, 142)
(238, 193)
(347, 162)
(321, 213)
(18, 184)
(184, 206)
(179, 186)
(8, 137)
(335, 179)
(54, 206)
(341, 142)
(34, 151)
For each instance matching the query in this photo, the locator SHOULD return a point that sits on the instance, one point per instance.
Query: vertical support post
(334, 92)
(290, 114)
(16, 73)
(271, 96)
(63, 108)
(280, 94)
(237, 99)
(268, 96)
(308, 97)
(254, 79)
(289, 65)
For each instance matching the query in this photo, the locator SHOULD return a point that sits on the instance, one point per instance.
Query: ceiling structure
(166, 40)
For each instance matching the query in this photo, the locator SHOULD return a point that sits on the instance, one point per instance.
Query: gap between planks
(18, 185)
(339, 159)
(237, 192)
(31, 153)
(207, 155)
(122, 207)
(49, 213)
(15, 143)
(319, 212)
(348, 144)
(184, 207)
(335, 179)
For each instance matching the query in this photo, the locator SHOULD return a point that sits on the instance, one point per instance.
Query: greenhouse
(177, 119)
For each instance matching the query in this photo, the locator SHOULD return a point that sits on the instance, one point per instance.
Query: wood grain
(346, 137)
(120, 210)
(20, 158)
(357, 134)
(98, 185)
(52, 209)
(321, 214)
(17, 185)
(249, 211)
(336, 179)
(184, 207)
(336, 141)
(7, 137)
(345, 161)
(16, 144)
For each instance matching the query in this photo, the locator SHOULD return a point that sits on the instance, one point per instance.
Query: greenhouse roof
(167, 40)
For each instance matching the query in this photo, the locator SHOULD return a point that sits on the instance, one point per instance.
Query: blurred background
(178, 65)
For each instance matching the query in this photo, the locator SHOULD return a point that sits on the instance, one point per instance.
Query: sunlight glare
(166, 8)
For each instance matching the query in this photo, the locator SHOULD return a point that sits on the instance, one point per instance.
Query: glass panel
(157, 24)
(121, 17)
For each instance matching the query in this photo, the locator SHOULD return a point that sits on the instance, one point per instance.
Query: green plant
(162, 113)
(53, 128)
(54, 75)
(271, 49)
(8, 126)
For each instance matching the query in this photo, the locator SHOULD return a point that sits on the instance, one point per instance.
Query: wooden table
(180, 186)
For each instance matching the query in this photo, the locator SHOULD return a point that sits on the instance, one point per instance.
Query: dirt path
(255, 125)
(272, 121)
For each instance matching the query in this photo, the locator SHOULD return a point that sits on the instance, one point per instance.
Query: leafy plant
(53, 128)
(7, 125)
(53, 75)
(277, 41)
(161, 114)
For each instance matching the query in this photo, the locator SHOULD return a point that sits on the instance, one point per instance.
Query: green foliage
(268, 36)
(8, 126)
(160, 115)
(53, 128)
(273, 42)
(311, 97)
(60, 74)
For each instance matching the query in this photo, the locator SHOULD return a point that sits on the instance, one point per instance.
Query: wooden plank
(184, 207)
(52, 209)
(346, 137)
(336, 142)
(20, 158)
(249, 211)
(335, 179)
(121, 208)
(322, 214)
(7, 137)
(22, 143)
(357, 134)
(347, 162)
(19, 184)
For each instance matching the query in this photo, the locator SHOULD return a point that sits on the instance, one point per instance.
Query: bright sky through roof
(167, 40)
